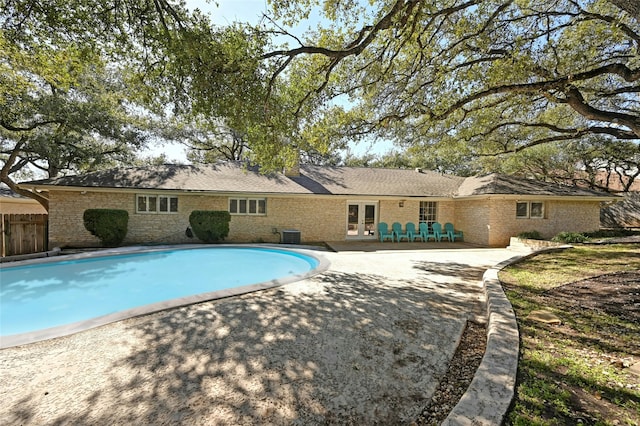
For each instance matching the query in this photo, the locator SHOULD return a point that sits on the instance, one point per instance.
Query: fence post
(5, 231)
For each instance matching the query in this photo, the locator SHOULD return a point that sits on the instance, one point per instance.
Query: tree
(63, 110)
(594, 163)
(631, 6)
(79, 75)
(497, 76)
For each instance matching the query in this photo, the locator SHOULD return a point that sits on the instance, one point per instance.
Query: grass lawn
(577, 371)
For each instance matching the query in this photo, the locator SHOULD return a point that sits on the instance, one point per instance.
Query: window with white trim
(530, 210)
(147, 203)
(427, 212)
(248, 206)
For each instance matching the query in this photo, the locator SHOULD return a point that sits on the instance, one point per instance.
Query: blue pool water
(40, 296)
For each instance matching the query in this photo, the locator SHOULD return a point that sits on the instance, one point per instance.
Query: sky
(228, 11)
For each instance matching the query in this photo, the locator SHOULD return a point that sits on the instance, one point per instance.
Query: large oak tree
(476, 77)
(81, 79)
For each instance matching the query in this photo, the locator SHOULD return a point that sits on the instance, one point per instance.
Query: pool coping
(76, 327)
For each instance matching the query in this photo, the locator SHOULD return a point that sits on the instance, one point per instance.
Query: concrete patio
(363, 343)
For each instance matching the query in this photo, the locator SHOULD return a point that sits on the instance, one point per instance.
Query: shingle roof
(495, 184)
(236, 177)
(372, 181)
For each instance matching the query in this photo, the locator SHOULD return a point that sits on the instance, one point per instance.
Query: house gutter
(204, 192)
(551, 197)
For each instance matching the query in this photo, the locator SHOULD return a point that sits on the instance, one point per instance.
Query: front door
(362, 220)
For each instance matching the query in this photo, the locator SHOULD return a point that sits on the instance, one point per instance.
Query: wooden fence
(24, 233)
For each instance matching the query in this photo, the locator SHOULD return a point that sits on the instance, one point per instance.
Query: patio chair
(397, 230)
(383, 231)
(437, 231)
(412, 232)
(452, 232)
(424, 232)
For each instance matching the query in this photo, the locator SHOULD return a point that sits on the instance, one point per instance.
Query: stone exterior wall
(473, 217)
(570, 216)
(316, 219)
(492, 222)
(486, 222)
(390, 211)
(447, 213)
(66, 227)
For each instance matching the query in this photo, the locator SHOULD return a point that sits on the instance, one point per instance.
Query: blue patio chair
(397, 230)
(424, 232)
(383, 231)
(452, 232)
(412, 232)
(437, 231)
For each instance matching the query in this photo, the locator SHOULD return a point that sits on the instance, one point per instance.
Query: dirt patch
(599, 326)
(617, 294)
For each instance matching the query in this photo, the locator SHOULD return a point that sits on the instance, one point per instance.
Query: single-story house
(321, 203)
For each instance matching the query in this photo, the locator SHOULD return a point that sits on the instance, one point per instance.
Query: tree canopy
(82, 80)
(454, 83)
(478, 77)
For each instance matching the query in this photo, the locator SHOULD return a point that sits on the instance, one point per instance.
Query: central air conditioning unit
(290, 236)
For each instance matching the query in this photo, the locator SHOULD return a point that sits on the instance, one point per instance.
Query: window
(250, 206)
(156, 204)
(529, 209)
(428, 211)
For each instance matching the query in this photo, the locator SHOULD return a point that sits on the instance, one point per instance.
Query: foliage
(81, 123)
(109, 225)
(611, 233)
(210, 226)
(475, 78)
(570, 237)
(592, 162)
(530, 235)
(81, 81)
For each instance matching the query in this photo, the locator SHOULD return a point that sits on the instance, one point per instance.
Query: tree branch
(577, 102)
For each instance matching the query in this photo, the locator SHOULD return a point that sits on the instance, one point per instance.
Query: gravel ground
(459, 375)
(344, 347)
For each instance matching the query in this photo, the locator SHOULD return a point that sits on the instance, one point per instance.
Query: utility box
(290, 236)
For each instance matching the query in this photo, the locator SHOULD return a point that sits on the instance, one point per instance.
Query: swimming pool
(47, 298)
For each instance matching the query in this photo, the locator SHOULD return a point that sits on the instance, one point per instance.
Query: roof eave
(550, 197)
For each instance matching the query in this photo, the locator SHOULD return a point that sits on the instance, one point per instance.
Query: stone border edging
(492, 389)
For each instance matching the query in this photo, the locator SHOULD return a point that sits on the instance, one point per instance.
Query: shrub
(109, 225)
(210, 226)
(610, 233)
(530, 235)
(570, 237)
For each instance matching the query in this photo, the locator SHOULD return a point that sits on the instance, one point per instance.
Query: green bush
(610, 233)
(109, 225)
(530, 235)
(570, 237)
(210, 226)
